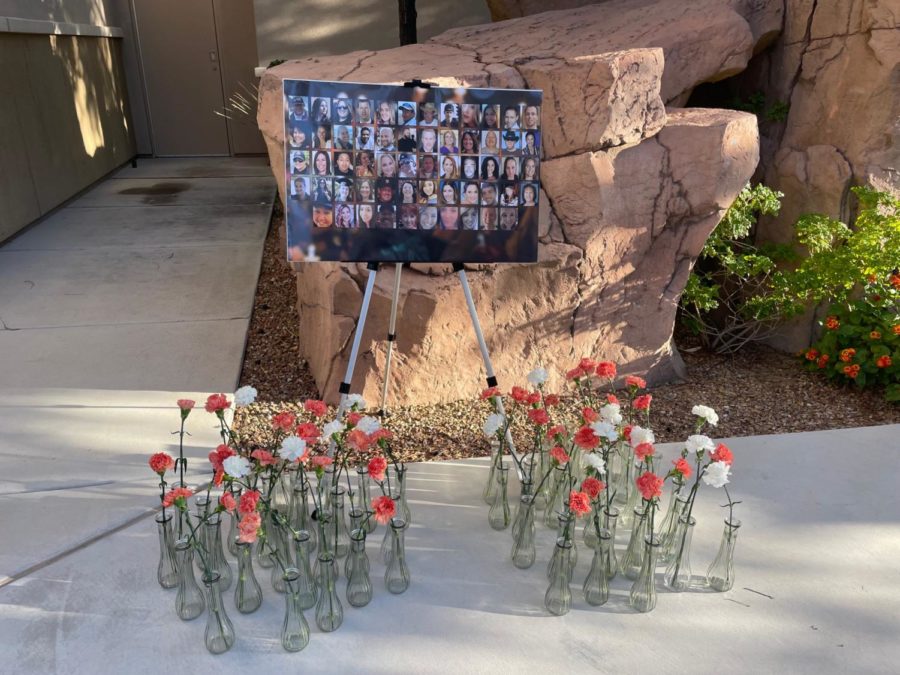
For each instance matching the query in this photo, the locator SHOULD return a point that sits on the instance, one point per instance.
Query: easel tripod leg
(392, 335)
(357, 338)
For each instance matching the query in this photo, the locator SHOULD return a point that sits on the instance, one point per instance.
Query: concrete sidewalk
(817, 590)
(131, 296)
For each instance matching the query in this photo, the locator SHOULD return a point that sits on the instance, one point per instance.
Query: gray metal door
(182, 73)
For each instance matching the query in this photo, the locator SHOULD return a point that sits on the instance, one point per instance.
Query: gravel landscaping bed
(757, 391)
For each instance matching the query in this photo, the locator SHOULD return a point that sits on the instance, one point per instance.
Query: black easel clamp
(491, 381)
(416, 82)
(344, 388)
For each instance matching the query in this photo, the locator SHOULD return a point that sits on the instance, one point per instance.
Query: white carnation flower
(707, 413)
(605, 430)
(368, 425)
(716, 474)
(537, 377)
(640, 435)
(492, 424)
(698, 443)
(355, 401)
(236, 466)
(612, 413)
(292, 448)
(332, 428)
(594, 460)
(244, 396)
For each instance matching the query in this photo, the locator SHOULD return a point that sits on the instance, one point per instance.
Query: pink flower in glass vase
(321, 461)
(553, 432)
(377, 467)
(264, 457)
(606, 370)
(579, 503)
(649, 485)
(643, 402)
(575, 374)
(317, 408)
(248, 502)
(644, 450)
(216, 403)
(227, 501)
(490, 392)
(635, 381)
(612, 399)
(587, 365)
(358, 440)
(586, 438)
(248, 527)
(308, 431)
(589, 415)
(722, 453)
(551, 400)
(384, 509)
(538, 416)
(683, 467)
(559, 455)
(173, 496)
(284, 421)
(161, 462)
(380, 434)
(592, 486)
(519, 395)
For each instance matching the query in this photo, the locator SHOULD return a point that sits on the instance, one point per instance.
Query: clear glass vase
(306, 584)
(247, 591)
(295, 629)
(299, 513)
(201, 511)
(386, 549)
(490, 487)
(643, 592)
(365, 500)
(596, 585)
(558, 494)
(669, 527)
(625, 460)
(216, 553)
(359, 585)
(231, 535)
(219, 634)
(565, 530)
(339, 535)
(279, 555)
(396, 576)
(403, 512)
(189, 602)
(633, 500)
(634, 554)
(677, 576)
(526, 488)
(558, 598)
(263, 548)
(591, 526)
(523, 550)
(329, 611)
(326, 544)
(498, 516)
(543, 465)
(609, 518)
(720, 574)
(166, 570)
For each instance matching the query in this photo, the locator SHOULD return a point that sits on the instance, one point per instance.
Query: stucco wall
(290, 30)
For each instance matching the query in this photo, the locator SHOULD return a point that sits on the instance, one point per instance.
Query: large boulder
(630, 196)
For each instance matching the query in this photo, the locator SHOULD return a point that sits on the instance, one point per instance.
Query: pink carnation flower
(248, 528)
(216, 403)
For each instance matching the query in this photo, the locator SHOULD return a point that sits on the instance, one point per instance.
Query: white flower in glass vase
(716, 474)
(593, 460)
(332, 428)
(640, 435)
(605, 430)
(707, 413)
(292, 448)
(537, 377)
(236, 466)
(612, 413)
(697, 443)
(368, 425)
(355, 402)
(493, 423)
(244, 396)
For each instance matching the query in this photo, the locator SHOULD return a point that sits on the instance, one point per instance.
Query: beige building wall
(290, 30)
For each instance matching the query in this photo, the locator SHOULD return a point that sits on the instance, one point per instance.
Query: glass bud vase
(558, 494)
(634, 554)
(565, 530)
(216, 553)
(279, 555)
(299, 514)
(306, 583)
(523, 551)
(339, 535)
(166, 570)
(263, 548)
(596, 585)
(396, 576)
(402, 505)
(219, 631)
(365, 500)
(231, 536)
(558, 598)
(670, 526)
(591, 525)
(189, 602)
(526, 489)
(247, 591)
(720, 575)
(498, 517)
(625, 457)
(608, 520)
(490, 487)
(359, 585)
(295, 629)
(678, 573)
(634, 499)
(386, 549)
(643, 592)
(201, 509)
(329, 611)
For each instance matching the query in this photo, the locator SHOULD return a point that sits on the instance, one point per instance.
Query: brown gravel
(757, 391)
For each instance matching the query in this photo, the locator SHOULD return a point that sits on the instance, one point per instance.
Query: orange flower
(871, 278)
(895, 281)
(896, 328)
(874, 335)
(823, 361)
(883, 361)
(832, 323)
(847, 355)
(812, 354)
(851, 371)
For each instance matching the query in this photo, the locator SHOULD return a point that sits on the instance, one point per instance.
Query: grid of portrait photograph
(378, 173)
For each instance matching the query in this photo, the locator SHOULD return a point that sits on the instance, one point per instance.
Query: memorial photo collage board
(386, 173)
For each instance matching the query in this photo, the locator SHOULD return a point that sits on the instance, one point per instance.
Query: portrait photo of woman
(299, 163)
(387, 165)
(322, 194)
(529, 194)
(321, 111)
(299, 137)
(470, 194)
(509, 195)
(490, 143)
(343, 216)
(449, 218)
(366, 216)
(469, 117)
(365, 164)
(529, 169)
(386, 115)
(448, 142)
(365, 190)
(468, 216)
(510, 169)
(342, 138)
(490, 116)
(342, 111)
(322, 139)
(408, 192)
(343, 189)
(488, 219)
(449, 169)
(321, 164)
(509, 218)
(409, 217)
(428, 217)
(427, 192)
(468, 143)
(469, 168)
(343, 163)
(449, 195)
(532, 145)
(428, 141)
(490, 170)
